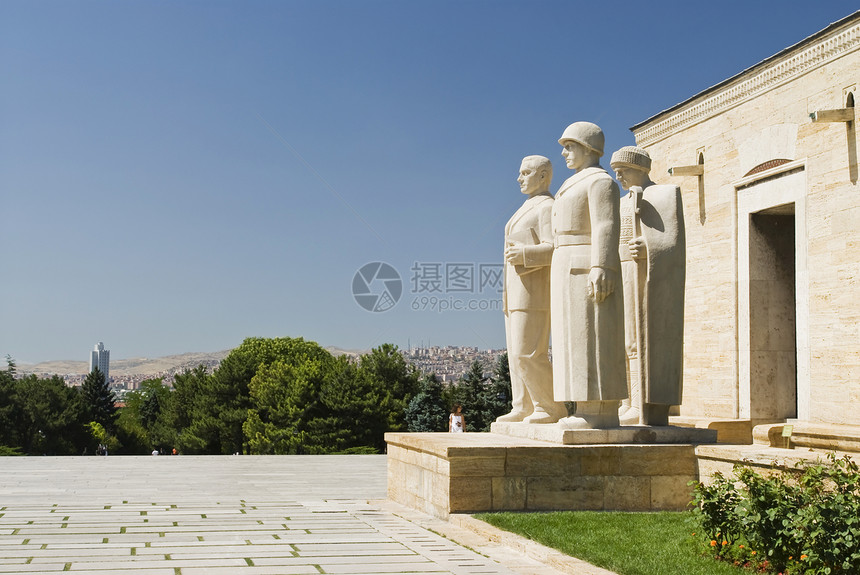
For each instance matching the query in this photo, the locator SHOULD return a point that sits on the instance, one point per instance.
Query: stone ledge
(763, 459)
(627, 435)
(463, 444)
(816, 436)
(734, 431)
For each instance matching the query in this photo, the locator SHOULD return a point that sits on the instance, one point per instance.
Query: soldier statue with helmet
(587, 311)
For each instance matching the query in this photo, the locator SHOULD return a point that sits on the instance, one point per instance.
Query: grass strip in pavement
(657, 543)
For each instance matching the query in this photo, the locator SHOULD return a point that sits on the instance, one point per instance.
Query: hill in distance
(143, 365)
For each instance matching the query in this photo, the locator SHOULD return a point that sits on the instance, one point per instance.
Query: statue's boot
(592, 415)
(630, 412)
(521, 402)
(540, 415)
(514, 416)
(546, 409)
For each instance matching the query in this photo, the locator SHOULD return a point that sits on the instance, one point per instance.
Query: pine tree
(497, 396)
(427, 411)
(469, 392)
(98, 400)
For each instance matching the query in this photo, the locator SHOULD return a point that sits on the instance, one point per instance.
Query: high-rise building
(100, 358)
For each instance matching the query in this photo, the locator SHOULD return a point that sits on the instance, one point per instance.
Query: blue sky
(177, 176)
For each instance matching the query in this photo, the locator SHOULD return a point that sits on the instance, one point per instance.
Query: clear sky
(177, 176)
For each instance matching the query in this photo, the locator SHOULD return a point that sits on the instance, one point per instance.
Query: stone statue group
(604, 275)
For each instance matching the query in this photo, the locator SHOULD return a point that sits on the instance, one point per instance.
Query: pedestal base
(443, 473)
(635, 434)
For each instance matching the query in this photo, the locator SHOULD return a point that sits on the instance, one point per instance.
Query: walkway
(238, 515)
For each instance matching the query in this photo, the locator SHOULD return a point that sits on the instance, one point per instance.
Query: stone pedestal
(634, 434)
(443, 473)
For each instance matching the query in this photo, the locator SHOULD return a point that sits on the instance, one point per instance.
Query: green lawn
(627, 543)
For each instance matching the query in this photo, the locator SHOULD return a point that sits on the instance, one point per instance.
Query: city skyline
(178, 177)
(447, 363)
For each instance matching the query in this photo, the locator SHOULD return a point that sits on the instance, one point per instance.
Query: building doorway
(773, 313)
(772, 295)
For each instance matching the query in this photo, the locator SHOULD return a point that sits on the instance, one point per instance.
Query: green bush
(799, 521)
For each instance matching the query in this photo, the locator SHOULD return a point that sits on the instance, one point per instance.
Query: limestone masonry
(767, 165)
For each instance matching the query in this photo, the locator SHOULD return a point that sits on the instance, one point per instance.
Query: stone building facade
(767, 165)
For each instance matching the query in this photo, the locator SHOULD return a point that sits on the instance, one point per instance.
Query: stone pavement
(246, 515)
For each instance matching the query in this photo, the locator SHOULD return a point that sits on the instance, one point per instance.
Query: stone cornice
(775, 71)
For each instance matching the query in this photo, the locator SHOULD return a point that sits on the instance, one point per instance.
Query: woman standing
(457, 421)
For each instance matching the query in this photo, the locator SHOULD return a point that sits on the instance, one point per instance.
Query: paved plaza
(190, 515)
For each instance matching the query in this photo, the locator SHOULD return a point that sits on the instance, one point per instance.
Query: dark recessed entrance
(773, 305)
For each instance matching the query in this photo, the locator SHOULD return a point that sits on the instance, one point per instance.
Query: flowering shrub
(801, 522)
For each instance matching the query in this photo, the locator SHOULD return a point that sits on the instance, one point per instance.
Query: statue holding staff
(653, 258)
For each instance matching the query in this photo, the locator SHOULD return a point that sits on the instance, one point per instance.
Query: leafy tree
(100, 435)
(285, 399)
(130, 433)
(309, 402)
(428, 410)
(39, 415)
(227, 396)
(98, 400)
(142, 424)
(46, 417)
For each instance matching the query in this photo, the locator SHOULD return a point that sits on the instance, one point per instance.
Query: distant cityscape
(449, 363)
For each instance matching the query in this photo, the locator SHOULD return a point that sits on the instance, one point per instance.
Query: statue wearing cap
(586, 304)
(652, 252)
(528, 253)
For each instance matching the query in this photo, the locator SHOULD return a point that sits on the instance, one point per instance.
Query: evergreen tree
(399, 379)
(428, 410)
(469, 392)
(98, 400)
(8, 437)
(189, 415)
(360, 407)
(483, 399)
(497, 396)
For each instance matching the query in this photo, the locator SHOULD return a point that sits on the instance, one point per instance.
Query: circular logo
(377, 287)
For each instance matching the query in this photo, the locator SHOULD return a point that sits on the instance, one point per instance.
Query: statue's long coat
(589, 361)
(661, 223)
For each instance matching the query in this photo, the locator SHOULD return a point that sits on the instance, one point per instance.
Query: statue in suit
(589, 365)
(528, 252)
(653, 262)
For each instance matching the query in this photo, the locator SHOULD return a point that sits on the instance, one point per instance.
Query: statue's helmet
(631, 157)
(585, 133)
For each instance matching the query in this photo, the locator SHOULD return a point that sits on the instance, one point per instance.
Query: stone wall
(732, 368)
(443, 473)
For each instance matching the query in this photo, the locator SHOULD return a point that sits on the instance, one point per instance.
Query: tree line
(268, 396)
